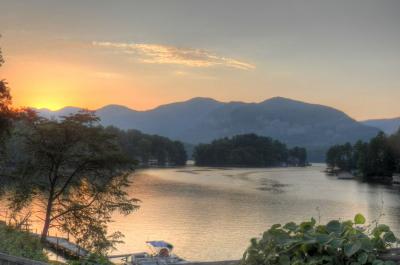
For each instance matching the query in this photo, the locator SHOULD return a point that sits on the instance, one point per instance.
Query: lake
(211, 213)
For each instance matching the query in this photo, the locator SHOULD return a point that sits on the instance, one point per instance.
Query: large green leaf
(379, 230)
(284, 260)
(362, 258)
(334, 226)
(336, 243)
(351, 248)
(389, 237)
(291, 226)
(323, 238)
(366, 244)
(359, 219)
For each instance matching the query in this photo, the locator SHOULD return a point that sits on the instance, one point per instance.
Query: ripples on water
(211, 213)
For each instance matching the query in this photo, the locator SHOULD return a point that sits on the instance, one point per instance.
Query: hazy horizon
(189, 99)
(197, 126)
(141, 55)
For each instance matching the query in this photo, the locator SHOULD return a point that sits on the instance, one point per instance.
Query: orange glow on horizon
(43, 82)
(48, 104)
(119, 54)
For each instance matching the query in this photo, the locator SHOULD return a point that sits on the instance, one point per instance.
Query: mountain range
(389, 126)
(201, 120)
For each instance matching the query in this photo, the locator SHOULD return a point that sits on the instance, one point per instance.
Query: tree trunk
(47, 219)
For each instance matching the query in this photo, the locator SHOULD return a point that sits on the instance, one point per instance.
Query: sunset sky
(141, 54)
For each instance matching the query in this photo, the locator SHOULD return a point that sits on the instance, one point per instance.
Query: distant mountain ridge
(201, 120)
(388, 126)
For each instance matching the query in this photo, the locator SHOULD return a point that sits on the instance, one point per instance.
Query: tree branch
(68, 181)
(76, 208)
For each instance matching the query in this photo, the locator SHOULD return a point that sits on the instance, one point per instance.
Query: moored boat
(161, 253)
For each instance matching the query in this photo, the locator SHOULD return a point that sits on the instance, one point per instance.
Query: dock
(65, 247)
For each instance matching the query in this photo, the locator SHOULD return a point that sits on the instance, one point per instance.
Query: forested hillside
(202, 120)
(248, 150)
(150, 150)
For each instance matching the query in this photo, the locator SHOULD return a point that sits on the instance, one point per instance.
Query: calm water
(210, 214)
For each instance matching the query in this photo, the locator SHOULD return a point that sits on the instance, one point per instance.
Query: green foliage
(248, 150)
(6, 114)
(145, 147)
(336, 243)
(378, 158)
(340, 156)
(92, 259)
(21, 244)
(394, 143)
(77, 172)
(359, 219)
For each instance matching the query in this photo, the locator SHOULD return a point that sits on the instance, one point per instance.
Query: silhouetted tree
(6, 115)
(340, 156)
(298, 156)
(78, 172)
(360, 156)
(379, 158)
(394, 145)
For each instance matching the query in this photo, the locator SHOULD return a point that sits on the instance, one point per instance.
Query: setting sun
(51, 104)
(141, 62)
(243, 132)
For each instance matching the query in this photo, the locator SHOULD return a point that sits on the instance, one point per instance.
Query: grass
(20, 244)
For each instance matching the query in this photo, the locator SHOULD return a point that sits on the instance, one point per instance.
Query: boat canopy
(160, 244)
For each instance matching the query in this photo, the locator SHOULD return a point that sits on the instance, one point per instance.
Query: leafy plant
(337, 243)
(21, 244)
(77, 172)
(93, 259)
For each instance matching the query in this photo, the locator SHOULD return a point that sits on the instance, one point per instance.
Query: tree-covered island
(249, 150)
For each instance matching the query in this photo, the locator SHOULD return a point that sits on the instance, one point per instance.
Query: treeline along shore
(150, 150)
(249, 150)
(377, 160)
(75, 173)
(246, 150)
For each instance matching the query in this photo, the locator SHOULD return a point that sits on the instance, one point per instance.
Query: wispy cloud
(162, 54)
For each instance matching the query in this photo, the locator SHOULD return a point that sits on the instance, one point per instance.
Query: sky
(142, 54)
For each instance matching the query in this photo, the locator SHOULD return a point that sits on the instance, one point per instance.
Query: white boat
(160, 254)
